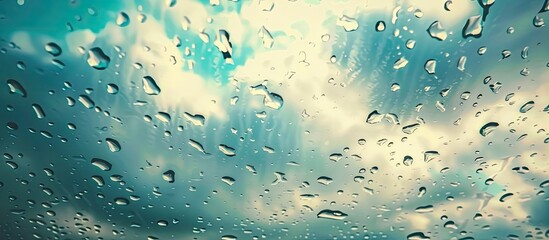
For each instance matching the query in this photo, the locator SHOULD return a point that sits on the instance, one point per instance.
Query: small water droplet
(113, 145)
(400, 63)
(169, 176)
(228, 180)
(436, 31)
(149, 86)
(331, 214)
(112, 88)
(348, 23)
(86, 101)
(121, 201)
(473, 27)
(101, 164)
(38, 111)
(16, 87)
(228, 151)
(430, 66)
(380, 26)
(526, 107)
(505, 197)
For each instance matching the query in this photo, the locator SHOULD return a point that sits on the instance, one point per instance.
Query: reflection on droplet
(101, 164)
(331, 214)
(122, 19)
(113, 145)
(16, 87)
(436, 31)
(169, 176)
(488, 128)
(98, 59)
(149, 86)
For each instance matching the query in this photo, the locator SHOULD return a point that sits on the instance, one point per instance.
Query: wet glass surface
(266, 119)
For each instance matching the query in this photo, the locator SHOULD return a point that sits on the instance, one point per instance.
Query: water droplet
(461, 63)
(324, 180)
(163, 117)
(482, 50)
(422, 191)
(98, 59)
(395, 87)
(12, 165)
(266, 37)
(348, 23)
(524, 53)
(473, 27)
(113, 145)
(505, 54)
(424, 209)
(122, 19)
(440, 106)
(430, 156)
(417, 236)
(53, 49)
(430, 66)
(331, 214)
(335, 157)
(17, 88)
(224, 45)
(197, 119)
(505, 197)
(149, 86)
(121, 201)
(169, 176)
(228, 237)
(99, 180)
(410, 43)
(495, 87)
(38, 111)
(436, 31)
(407, 161)
(273, 100)
(228, 151)
(538, 21)
(112, 88)
(86, 101)
(196, 145)
(380, 26)
(228, 180)
(101, 164)
(527, 106)
(409, 129)
(488, 128)
(400, 63)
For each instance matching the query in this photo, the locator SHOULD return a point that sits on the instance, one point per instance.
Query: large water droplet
(228, 151)
(38, 111)
(98, 59)
(331, 214)
(436, 31)
(149, 86)
(169, 176)
(473, 27)
(430, 66)
(273, 100)
(348, 23)
(488, 128)
(113, 145)
(53, 49)
(228, 180)
(101, 164)
(526, 107)
(16, 87)
(122, 19)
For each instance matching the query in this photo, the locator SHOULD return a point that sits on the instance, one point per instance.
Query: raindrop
(86, 101)
(197, 119)
(380, 26)
(348, 23)
(112, 88)
(527, 106)
(99, 180)
(430, 156)
(98, 59)
(228, 151)
(113, 145)
(324, 180)
(461, 63)
(169, 176)
(266, 37)
(436, 31)
(101, 164)
(228, 180)
(417, 236)
(473, 27)
(488, 128)
(505, 197)
(400, 63)
(149, 86)
(53, 49)
(17, 88)
(424, 209)
(331, 214)
(122, 19)
(407, 161)
(430, 66)
(38, 111)
(121, 201)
